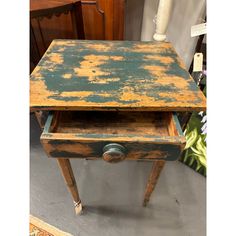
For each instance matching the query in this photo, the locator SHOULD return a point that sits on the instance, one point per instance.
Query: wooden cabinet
(103, 19)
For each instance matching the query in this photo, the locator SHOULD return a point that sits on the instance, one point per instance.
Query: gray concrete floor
(112, 197)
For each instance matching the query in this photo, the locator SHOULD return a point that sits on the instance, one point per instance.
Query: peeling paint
(109, 74)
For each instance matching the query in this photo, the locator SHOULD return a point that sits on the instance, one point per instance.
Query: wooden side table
(114, 101)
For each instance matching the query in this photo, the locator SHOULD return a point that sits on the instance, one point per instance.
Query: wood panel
(56, 27)
(103, 19)
(94, 20)
(105, 75)
(119, 19)
(108, 6)
(51, 28)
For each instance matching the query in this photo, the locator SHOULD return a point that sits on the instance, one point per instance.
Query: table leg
(153, 177)
(38, 115)
(68, 175)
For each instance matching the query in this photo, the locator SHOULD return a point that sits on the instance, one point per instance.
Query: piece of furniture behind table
(47, 19)
(102, 20)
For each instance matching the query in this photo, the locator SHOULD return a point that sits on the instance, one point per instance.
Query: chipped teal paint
(130, 71)
(177, 124)
(156, 138)
(100, 99)
(48, 123)
(170, 152)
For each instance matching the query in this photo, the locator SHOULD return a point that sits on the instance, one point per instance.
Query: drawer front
(113, 141)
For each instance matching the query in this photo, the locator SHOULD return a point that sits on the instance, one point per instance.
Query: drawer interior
(114, 123)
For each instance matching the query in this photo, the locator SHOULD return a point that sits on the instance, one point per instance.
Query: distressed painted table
(112, 100)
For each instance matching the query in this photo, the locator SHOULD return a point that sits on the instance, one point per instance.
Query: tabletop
(113, 75)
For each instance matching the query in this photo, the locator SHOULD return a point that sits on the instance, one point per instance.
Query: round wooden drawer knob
(114, 153)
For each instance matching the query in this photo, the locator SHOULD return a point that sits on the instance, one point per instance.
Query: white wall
(185, 13)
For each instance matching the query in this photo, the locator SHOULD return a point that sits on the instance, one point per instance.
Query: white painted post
(162, 19)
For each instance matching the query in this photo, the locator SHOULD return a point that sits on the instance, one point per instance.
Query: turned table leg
(68, 175)
(152, 180)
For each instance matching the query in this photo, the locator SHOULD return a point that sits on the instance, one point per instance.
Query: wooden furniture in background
(113, 101)
(102, 20)
(45, 24)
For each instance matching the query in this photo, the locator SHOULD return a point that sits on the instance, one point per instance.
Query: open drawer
(113, 136)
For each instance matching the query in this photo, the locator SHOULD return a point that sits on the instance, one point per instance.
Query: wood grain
(69, 178)
(36, 5)
(111, 75)
(152, 180)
